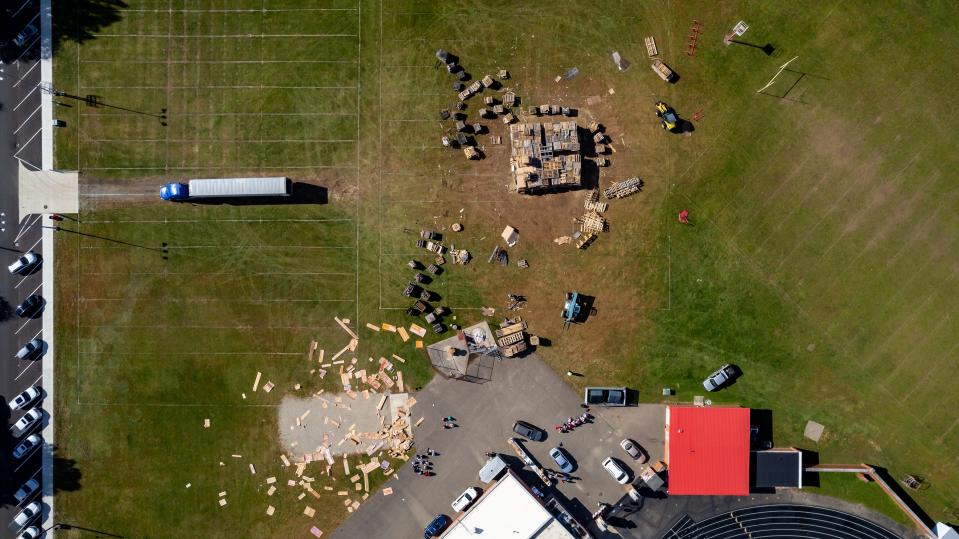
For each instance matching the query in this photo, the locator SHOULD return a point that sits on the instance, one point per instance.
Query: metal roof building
(708, 450)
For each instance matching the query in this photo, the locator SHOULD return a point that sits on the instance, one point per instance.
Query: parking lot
(520, 389)
(20, 123)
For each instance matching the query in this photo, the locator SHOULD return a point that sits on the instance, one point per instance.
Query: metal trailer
(227, 187)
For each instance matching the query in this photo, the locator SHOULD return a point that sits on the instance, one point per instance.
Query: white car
(30, 349)
(24, 399)
(26, 490)
(24, 517)
(633, 449)
(24, 263)
(29, 419)
(32, 532)
(465, 499)
(32, 442)
(616, 471)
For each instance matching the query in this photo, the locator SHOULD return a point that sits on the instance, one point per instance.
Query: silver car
(25, 423)
(24, 264)
(719, 378)
(24, 399)
(30, 349)
(634, 450)
(24, 517)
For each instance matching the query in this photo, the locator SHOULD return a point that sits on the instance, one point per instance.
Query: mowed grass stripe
(186, 340)
(238, 155)
(254, 233)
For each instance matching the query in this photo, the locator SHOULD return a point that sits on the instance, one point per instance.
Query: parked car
(26, 490)
(29, 419)
(436, 526)
(24, 517)
(28, 32)
(605, 396)
(530, 431)
(24, 264)
(32, 532)
(30, 349)
(32, 442)
(30, 306)
(719, 378)
(431, 235)
(24, 399)
(616, 471)
(465, 499)
(634, 450)
(559, 457)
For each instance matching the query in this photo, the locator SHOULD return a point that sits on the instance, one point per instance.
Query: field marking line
(215, 87)
(248, 246)
(34, 89)
(231, 167)
(190, 326)
(379, 153)
(226, 62)
(104, 114)
(179, 405)
(175, 221)
(28, 367)
(91, 353)
(167, 90)
(224, 141)
(359, 73)
(23, 123)
(24, 75)
(231, 300)
(222, 36)
(236, 10)
(182, 273)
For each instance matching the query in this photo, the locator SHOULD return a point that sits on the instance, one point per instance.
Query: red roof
(708, 451)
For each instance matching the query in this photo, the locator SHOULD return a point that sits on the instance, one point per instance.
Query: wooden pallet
(651, 49)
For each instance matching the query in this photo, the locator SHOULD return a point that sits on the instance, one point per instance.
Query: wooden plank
(403, 334)
(345, 327)
(374, 327)
(256, 382)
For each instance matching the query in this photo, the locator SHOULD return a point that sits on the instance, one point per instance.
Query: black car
(530, 431)
(30, 306)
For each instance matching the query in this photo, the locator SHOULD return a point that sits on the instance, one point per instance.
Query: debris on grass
(417, 330)
(316, 532)
(256, 381)
(270, 510)
(206, 423)
(252, 468)
(309, 511)
(267, 387)
(374, 327)
(222, 502)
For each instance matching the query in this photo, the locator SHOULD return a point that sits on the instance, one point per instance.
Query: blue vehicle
(436, 526)
(572, 308)
(226, 188)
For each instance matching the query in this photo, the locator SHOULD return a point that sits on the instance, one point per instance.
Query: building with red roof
(708, 450)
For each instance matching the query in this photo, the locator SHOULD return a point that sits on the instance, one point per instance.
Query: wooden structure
(509, 99)
(623, 189)
(651, 49)
(586, 241)
(592, 222)
(545, 156)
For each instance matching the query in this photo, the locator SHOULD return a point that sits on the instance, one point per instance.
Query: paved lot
(520, 389)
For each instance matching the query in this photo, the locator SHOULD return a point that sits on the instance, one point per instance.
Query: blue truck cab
(175, 191)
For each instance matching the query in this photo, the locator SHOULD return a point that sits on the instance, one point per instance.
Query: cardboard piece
(268, 387)
(403, 334)
(374, 327)
(309, 511)
(256, 381)
(222, 502)
(419, 331)
(387, 491)
(316, 532)
(270, 509)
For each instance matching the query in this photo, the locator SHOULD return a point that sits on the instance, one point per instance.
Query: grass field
(821, 259)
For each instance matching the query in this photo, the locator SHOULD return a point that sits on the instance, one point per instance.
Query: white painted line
(172, 221)
(218, 141)
(27, 48)
(17, 469)
(265, 10)
(38, 334)
(37, 380)
(35, 289)
(22, 77)
(228, 62)
(26, 97)
(28, 367)
(23, 123)
(23, 5)
(221, 36)
(25, 226)
(27, 143)
(17, 332)
(220, 87)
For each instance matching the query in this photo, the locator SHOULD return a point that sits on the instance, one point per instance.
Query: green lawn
(821, 258)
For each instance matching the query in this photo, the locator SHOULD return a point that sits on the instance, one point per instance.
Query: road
(19, 124)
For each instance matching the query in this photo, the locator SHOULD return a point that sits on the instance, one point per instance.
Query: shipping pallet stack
(623, 189)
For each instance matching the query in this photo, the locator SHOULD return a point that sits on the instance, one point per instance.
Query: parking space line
(23, 5)
(24, 228)
(26, 97)
(28, 367)
(27, 48)
(27, 143)
(35, 289)
(37, 380)
(23, 123)
(38, 334)
(17, 469)
(17, 332)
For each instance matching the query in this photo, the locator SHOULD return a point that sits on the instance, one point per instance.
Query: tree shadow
(66, 476)
(80, 20)
(6, 310)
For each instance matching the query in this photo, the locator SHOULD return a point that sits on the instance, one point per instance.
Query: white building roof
(507, 509)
